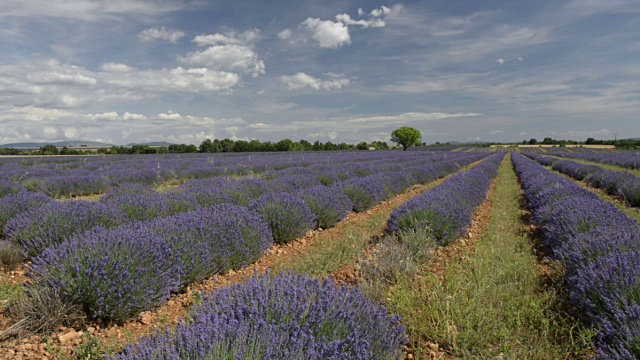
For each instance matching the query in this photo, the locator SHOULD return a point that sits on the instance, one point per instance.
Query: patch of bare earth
(65, 340)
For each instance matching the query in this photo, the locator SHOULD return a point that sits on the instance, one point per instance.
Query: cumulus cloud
(500, 61)
(160, 33)
(130, 116)
(227, 52)
(302, 80)
(329, 34)
(335, 34)
(226, 58)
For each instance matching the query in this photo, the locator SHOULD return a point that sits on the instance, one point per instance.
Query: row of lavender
(623, 158)
(245, 321)
(618, 183)
(446, 209)
(599, 247)
(35, 222)
(95, 175)
(115, 268)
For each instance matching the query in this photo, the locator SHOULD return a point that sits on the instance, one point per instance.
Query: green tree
(406, 136)
(49, 150)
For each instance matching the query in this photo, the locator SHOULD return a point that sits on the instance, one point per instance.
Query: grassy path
(489, 301)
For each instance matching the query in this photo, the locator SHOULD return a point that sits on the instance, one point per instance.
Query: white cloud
(500, 61)
(302, 80)
(228, 57)
(329, 34)
(244, 38)
(130, 116)
(160, 33)
(178, 79)
(360, 12)
(523, 133)
(495, 132)
(284, 34)
(382, 11)
(51, 84)
(104, 116)
(347, 20)
(116, 67)
(169, 116)
(38, 124)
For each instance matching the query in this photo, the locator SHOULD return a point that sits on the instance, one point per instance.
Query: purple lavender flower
(288, 217)
(49, 225)
(284, 317)
(328, 203)
(112, 274)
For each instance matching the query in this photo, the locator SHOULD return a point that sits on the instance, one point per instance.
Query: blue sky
(183, 71)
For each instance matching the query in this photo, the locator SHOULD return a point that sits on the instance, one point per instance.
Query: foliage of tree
(49, 150)
(406, 136)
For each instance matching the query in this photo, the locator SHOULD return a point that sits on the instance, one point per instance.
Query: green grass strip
(491, 302)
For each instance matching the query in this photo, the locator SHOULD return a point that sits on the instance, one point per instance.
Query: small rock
(145, 319)
(91, 329)
(433, 346)
(69, 337)
(20, 348)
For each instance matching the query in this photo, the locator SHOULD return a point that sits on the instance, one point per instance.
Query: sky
(182, 71)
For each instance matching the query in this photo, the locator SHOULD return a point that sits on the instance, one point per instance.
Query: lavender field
(112, 239)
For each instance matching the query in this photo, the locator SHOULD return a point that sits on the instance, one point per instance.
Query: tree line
(207, 146)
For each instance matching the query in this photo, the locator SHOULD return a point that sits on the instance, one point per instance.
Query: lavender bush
(50, 224)
(284, 317)
(288, 217)
(213, 240)
(328, 203)
(127, 189)
(599, 246)
(13, 205)
(446, 209)
(141, 207)
(8, 188)
(113, 275)
(364, 192)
